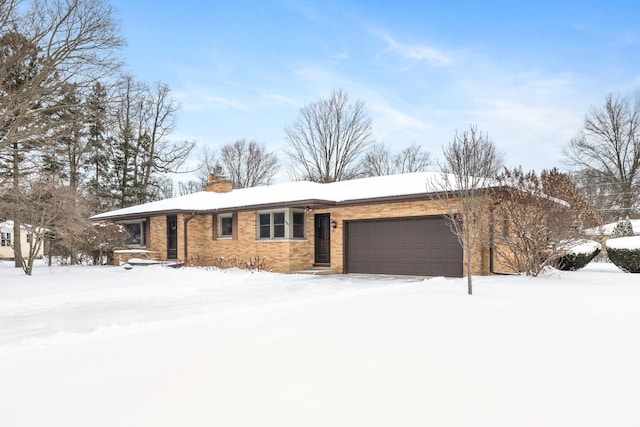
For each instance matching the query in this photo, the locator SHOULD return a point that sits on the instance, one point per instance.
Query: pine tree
(622, 229)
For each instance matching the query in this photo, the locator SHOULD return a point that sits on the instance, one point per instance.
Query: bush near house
(624, 252)
(579, 254)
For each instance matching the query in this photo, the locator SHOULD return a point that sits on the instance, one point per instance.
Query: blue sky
(525, 72)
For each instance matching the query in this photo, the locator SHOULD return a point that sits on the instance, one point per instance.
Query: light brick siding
(157, 238)
(290, 255)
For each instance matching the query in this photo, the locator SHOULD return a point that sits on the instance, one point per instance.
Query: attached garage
(423, 246)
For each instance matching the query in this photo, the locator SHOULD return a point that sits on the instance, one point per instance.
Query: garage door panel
(416, 246)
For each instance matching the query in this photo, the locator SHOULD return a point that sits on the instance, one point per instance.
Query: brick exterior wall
(284, 255)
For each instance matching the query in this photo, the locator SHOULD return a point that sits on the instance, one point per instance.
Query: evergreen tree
(623, 228)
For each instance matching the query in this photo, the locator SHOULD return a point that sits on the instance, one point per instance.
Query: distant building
(7, 240)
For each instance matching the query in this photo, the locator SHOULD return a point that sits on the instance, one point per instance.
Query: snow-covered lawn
(155, 346)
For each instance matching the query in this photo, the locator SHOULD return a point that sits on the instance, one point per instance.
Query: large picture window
(137, 231)
(281, 224)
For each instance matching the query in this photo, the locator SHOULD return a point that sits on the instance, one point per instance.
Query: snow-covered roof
(607, 229)
(8, 225)
(402, 185)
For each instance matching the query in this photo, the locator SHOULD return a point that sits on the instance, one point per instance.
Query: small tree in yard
(44, 206)
(99, 241)
(470, 162)
(541, 218)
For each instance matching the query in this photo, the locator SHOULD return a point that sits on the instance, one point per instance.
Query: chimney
(219, 185)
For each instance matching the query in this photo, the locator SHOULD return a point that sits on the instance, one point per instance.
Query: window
(278, 225)
(5, 239)
(28, 237)
(281, 224)
(265, 226)
(298, 224)
(137, 231)
(225, 226)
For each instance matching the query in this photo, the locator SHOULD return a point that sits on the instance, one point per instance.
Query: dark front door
(172, 237)
(322, 239)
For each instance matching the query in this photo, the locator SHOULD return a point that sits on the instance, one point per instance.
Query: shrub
(579, 254)
(624, 252)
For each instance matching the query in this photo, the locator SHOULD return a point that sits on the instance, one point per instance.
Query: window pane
(135, 230)
(278, 224)
(298, 224)
(265, 226)
(226, 226)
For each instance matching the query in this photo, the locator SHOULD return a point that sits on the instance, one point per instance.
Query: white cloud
(415, 53)
(283, 100)
(197, 98)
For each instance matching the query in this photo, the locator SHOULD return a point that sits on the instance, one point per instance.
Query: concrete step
(316, 271)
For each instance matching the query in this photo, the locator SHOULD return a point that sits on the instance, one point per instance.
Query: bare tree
(327, 140)
(46, 207)
(378, 161)
(7, 9)
(45, 45)
(208, 164)
(99, 241)
(69, 41)
(248, 164)
(142, 151)
(536, 219)
(190, 187)
(607, 151)
(412, 159)
(470, 163)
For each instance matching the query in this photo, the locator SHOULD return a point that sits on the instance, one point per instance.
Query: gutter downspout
(186, 222)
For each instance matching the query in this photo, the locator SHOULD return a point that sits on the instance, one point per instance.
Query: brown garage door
(417, 246)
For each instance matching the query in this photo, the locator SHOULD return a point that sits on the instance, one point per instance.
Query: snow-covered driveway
(153, 346)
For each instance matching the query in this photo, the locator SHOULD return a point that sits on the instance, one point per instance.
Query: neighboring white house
(7, 239)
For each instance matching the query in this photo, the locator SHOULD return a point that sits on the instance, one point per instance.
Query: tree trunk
(17, 244)
(469, 278)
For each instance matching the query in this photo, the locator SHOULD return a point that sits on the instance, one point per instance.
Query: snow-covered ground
(155, 346)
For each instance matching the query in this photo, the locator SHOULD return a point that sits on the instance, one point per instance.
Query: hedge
(624, 252)
(579, 255)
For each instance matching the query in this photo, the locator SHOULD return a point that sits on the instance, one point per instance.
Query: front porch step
(316, 271)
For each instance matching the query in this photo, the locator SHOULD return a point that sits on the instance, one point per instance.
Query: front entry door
(172, 237)
(322, 239)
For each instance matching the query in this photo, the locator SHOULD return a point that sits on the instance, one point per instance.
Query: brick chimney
(219, 185)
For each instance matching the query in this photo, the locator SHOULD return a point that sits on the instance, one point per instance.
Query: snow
(155, 346)
(584, 247)
(409, 184)
(629, 242)
(132, 251)
(607, 229)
